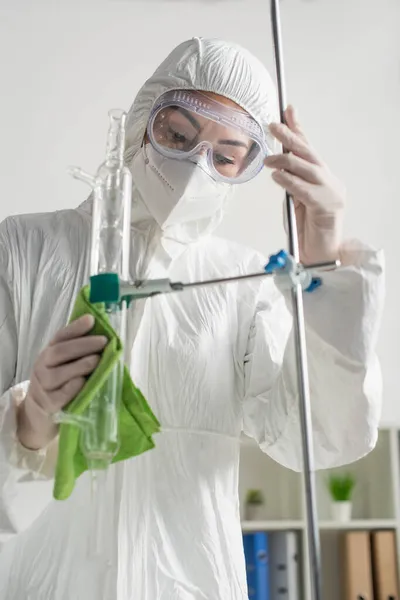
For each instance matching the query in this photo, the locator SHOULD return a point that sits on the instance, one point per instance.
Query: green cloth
(137, 422)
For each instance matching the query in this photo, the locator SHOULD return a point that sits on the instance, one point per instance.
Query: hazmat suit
(212, 362)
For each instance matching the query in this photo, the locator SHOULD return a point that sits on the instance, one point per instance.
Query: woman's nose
(200, 158)
(202, 151)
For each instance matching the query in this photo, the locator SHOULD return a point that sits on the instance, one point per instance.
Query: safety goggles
(227, 142)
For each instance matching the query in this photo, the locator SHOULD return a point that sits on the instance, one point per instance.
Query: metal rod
(313, 538)
(154, 287)
(280, 78)
(324, 266)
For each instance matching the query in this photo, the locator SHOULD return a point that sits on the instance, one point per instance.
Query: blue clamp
(281, 261)
(276, 262)
(316, 282)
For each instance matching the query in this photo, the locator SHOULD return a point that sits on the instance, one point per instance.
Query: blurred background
(65, 64)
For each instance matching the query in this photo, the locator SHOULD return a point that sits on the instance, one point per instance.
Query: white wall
(64, 64)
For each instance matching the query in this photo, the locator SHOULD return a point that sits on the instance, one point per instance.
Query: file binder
(257, 567)
(357, 566)
(284, 566)
(384, 565)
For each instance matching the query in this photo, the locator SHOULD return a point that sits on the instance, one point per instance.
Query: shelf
(359, 524)
(375, 503)
(271, 525)
(278, 525)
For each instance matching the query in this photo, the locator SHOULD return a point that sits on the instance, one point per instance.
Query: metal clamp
(108, 288)
(289, 274)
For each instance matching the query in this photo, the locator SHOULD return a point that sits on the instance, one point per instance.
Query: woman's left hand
(319, 198)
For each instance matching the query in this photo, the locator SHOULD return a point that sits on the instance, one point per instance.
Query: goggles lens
(187, 124)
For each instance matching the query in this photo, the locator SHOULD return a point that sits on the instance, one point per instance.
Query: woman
(212, 363)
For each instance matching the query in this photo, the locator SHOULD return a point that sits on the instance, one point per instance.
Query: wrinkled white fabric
(212, 363)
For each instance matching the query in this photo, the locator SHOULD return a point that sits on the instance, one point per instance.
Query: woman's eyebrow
(189, 117)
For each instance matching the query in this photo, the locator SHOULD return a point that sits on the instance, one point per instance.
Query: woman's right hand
(58, 376)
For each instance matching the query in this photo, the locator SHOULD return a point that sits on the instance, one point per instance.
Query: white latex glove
(319, 197)
(58, 376)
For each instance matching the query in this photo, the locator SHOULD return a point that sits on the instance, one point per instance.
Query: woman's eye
(223, 160)
(177, 137)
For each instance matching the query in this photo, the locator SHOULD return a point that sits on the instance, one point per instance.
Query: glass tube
(110, 249)
(109, 254)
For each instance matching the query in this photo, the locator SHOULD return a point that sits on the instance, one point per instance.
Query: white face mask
(176, 192)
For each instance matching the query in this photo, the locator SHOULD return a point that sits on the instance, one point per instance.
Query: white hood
(199, 64)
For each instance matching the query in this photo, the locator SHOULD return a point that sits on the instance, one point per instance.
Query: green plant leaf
(341, 487)
(254, 497)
